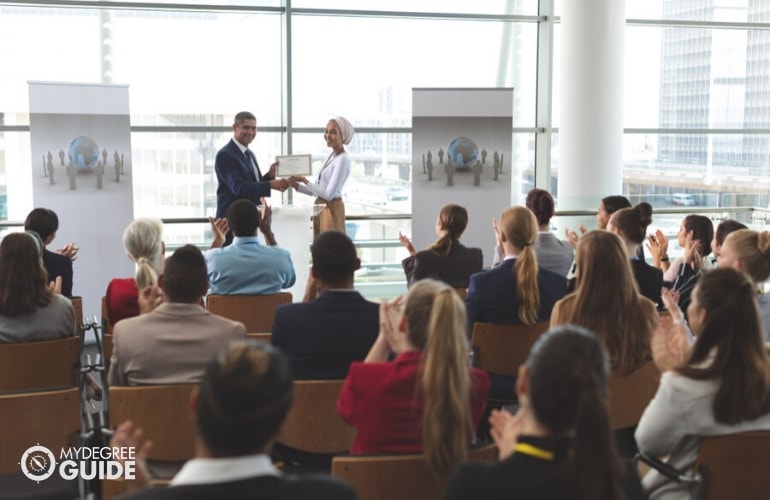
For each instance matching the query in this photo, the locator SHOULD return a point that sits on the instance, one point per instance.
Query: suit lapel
(245, 165)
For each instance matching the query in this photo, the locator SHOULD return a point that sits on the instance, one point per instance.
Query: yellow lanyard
(534, 451)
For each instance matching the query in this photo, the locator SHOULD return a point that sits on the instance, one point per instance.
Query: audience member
(695, 235)
(724, 228)
(559, 444)
(447, 259)
(30, 310)
(607, 301)
(749, 251)
(607, 206)
(172, 343)
(426, 400)
(238, 410)
(323, 336)
(631, 225)
(517, 291)
(721, 385)
(552, 253)
(58, 264)
(247, 267)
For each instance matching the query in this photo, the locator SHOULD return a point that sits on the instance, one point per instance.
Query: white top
(674, 423)
(331, 179)
(223, 470)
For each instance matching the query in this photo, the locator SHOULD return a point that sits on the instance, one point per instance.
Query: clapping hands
(69, 250)
(406, 243)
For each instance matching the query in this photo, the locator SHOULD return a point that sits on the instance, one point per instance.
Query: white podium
(292, 226)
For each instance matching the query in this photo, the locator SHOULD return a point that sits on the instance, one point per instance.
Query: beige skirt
(332, 218)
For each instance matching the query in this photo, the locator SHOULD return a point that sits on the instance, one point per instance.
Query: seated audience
(243, 399)
(720, 385)
(724, 228)
(559, 444)
(58, 264)
(427, 400)
(323, 336)
(631, 225)
(447, 259)
(172, 343)
(518, 291)
(607, 301)
(30, 310)
(749, 251)
(552, 253)
(695, 234)
(143, 240)
(247, 267)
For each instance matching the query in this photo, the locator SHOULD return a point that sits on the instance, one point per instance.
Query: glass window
(495, 7)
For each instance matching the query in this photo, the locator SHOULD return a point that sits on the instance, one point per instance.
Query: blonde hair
(752, 250)
(519, 226)
(143, 240)
(607, 300)
(436, 325)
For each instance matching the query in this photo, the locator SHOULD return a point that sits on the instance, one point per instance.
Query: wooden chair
(500, 349)
(106, 325)
(108, 341)
(260, 337)
(735, 466)
(51, 418)
(397, 477)
(313, 424)
(77, 306)
(256, 312)
(48, 364)
(629, 395)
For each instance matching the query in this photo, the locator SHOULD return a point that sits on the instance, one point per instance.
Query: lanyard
(328, 161)
(528, 449)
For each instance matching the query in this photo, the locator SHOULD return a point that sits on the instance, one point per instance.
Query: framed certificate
(294, 165)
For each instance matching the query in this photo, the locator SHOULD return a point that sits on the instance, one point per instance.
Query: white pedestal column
(291, 226)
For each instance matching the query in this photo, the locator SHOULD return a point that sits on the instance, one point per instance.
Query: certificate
(294, 165)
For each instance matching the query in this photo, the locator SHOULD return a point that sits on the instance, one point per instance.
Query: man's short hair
(244, 115)
(185, 277)
(43, 221)
(244, 398)
(334, 257)
(243, 217)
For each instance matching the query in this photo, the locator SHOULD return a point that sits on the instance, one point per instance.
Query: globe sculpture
(84, 152)
(463, 152)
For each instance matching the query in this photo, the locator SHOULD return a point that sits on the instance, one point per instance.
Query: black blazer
(237, 179)
(454, 269)
(649, 279)
(284, 487)
(322, 337)
(59, 265)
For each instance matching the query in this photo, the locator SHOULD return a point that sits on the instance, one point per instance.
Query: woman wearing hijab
(331, 179)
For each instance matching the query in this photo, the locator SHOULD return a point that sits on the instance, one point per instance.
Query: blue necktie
(251, 160)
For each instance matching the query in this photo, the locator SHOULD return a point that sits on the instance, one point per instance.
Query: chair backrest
(313, 423)
(48, 364)
(107, 342)
(500, 349)
(630, 395)
(256, 312)
(163, 411)
(77, 307)
(106, 325)
(50, 418)
(735, 466)
(260, 337)
(397, 477)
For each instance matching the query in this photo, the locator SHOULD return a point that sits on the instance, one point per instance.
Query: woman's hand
(295, 180)
(406, 243)
(390, 339)
(55, 286)
(505, 430)
(692, 253)
(658, 246)
(670, 344)
(149, 298)
(126, 436)
(573, 237)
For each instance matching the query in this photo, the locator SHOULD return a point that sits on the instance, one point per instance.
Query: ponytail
(527, 291)
(145, 273)
(445, 384)
(442, 246)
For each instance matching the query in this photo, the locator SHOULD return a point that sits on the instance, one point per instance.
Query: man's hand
(266, 222)
(280, 184)
(70, 251)
(219, 229)
(273, 168)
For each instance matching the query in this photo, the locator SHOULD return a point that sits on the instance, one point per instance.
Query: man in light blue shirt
(248, 267)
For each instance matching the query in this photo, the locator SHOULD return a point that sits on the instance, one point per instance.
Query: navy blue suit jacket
(492, 295)
(59, 265)
(322, 337)
(236, 179)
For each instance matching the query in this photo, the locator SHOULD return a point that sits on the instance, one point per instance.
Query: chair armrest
(665, 469)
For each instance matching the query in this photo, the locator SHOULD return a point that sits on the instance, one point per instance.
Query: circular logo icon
(38, 463)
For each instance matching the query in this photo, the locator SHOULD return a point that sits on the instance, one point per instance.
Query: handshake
(284, 184)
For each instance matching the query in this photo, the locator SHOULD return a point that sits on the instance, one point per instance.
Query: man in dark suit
(45, 223)
(238, 409)
(237, 170)
(323, 336)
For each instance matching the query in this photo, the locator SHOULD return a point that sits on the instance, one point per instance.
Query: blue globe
(463, 152)
(84, 152)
